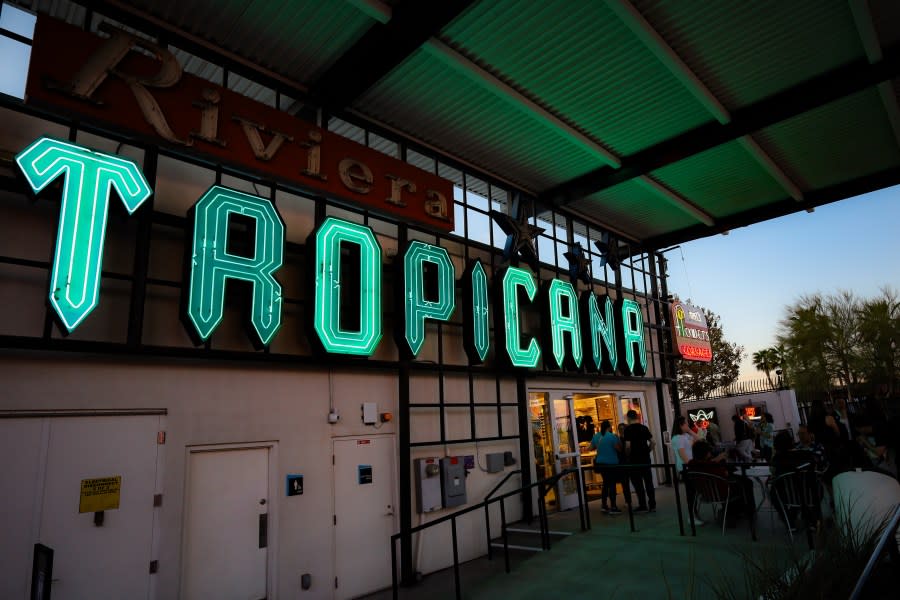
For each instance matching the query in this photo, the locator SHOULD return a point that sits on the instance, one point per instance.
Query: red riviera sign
(115, 81)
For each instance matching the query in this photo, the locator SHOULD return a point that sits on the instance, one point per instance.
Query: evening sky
(751, 275)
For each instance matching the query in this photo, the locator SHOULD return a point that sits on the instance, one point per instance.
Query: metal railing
(628, 469)
(544, 486)
(888, 536)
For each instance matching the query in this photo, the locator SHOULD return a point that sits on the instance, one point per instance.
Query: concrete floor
(610, 561)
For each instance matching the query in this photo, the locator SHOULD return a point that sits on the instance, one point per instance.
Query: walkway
(612, 562)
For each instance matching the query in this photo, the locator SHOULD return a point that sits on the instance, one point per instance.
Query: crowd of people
(832, 441)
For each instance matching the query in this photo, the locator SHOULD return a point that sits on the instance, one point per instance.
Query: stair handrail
(547, 481)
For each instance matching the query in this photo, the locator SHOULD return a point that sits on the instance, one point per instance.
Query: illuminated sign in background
(211, 264)
(703, 416)
(328, 238)
(416, 307)
(476, 332)
(89, 179)
(691, 332)
(561, 324)
(599, 331)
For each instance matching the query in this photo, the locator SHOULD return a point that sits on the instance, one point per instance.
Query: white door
(364, 484)
(111, 559)
(226, 524)
(567, 454)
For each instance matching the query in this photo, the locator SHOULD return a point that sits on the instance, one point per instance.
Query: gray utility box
(453, 481)
(495, 462)
(428, 484)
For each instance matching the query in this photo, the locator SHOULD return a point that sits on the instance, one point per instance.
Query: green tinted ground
(611, 562)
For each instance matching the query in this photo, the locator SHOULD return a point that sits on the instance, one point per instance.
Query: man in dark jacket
(638, 442)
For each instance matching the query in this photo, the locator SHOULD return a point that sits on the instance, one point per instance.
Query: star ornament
(520, 238)
(609, 251)
(578, 264)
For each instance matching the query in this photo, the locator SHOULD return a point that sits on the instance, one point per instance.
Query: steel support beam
(865, 26)
(811, 94)
(384, 46)
(833, 193)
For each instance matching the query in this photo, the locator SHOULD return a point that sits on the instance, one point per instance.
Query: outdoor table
(760, 474)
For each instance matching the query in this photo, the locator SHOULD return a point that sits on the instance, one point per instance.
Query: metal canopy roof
(665, 121)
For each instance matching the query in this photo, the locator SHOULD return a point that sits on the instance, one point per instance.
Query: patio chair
(797, 490)
(713, 490)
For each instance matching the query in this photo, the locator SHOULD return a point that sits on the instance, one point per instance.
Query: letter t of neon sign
(89, 179)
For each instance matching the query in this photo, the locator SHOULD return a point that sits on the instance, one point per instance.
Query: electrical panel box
(495, 462)
(369, 413)
(453, 481)
(428, 484)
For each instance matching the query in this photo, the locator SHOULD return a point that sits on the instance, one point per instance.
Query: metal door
(364, 519)
(105, 555)
(226, 523)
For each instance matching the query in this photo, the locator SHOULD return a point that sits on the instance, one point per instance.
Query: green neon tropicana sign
(235, 236)
(89, 178)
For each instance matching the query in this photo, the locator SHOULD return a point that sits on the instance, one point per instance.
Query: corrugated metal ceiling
(295, 38)
(450, 111)
(600, 77)
(536, 92)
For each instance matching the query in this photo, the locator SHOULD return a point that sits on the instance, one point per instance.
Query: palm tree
(765, 360)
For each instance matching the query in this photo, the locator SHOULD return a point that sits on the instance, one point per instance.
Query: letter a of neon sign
(90, 177)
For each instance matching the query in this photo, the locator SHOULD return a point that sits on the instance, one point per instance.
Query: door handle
(263, 530)
(390, 511)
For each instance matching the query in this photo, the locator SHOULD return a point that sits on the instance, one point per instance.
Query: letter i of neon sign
(90, 177)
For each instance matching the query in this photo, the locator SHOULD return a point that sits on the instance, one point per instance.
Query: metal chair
(713, 490)
(798, 489)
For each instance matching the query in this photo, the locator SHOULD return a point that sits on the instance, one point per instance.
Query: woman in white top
(683, 448)
(683, 443)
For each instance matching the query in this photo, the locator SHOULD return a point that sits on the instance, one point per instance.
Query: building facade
(179, 421)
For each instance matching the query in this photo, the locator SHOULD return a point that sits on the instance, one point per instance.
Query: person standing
(638, 443)
(743, 440)
(607, 445)
(682, 446)
(766, 437)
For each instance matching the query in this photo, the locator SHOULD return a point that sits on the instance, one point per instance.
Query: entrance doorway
(555, 450)
(227, 512)
(364, 521)
(563, 425)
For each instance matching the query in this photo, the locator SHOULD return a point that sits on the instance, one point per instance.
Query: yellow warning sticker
(99, 494)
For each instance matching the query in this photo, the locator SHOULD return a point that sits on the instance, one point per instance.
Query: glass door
(542, 440)
(555, 448)
(567, 455)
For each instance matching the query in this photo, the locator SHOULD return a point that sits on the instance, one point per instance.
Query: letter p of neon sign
(90, 177)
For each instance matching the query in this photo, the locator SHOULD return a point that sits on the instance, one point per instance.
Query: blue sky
(749, 276)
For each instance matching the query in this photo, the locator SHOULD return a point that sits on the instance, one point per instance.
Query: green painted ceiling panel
(722, 181)
(634, 210)
(746, 51)
(578, 60)
(843, 140)
(463, 118)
